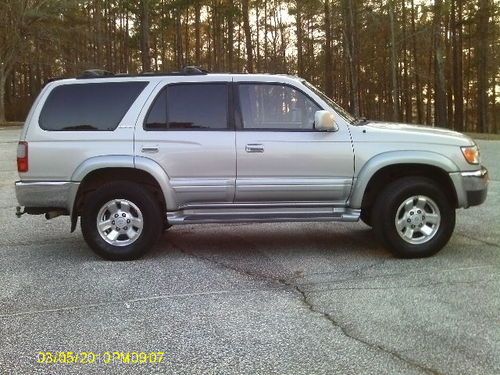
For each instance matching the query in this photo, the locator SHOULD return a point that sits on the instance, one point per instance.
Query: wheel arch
(387, 167)
(99, 170)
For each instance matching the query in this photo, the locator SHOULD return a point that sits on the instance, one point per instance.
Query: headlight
(471, 154)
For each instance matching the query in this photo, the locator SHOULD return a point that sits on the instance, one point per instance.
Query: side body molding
(385, 159)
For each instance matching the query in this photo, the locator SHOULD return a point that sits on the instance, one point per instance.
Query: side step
(252, 215)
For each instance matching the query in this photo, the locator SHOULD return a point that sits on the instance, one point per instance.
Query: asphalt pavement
(290, 298)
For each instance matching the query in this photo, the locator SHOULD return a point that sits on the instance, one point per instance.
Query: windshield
(341, 111)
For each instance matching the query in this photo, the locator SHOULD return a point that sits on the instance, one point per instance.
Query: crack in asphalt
(133, 300)
(478, 240)
(426, 285)
(357, 273)
(388, 275)
(309, 305)
(345, 332)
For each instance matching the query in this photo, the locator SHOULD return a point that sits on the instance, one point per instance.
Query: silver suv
(133, 155)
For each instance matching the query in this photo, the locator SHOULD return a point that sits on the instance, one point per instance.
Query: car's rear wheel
(413, 217)
(121, 220)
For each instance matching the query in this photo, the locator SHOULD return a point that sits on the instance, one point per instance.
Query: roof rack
(100, 73)
(95, 73)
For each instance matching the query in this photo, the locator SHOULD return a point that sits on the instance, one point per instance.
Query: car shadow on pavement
(276, 251)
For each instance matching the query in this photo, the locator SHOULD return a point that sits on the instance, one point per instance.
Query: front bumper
(471, 187)
(46, 194)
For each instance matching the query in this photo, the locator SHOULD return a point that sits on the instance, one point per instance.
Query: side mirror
(324, 121)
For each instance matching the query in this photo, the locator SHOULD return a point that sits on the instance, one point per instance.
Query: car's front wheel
(366, 216)
(121, 221)
(413, 217)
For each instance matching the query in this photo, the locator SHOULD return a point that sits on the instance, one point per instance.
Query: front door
(280, 156)
(186, 129)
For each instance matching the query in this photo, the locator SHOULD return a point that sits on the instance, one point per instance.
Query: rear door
(280, 156)
(187, 129)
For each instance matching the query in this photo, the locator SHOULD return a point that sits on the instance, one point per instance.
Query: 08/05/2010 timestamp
(106, 357)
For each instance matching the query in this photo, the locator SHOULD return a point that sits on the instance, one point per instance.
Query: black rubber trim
(476, 197)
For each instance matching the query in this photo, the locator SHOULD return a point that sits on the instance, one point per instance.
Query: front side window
(88, 106)
(275, 107)
(189, 107)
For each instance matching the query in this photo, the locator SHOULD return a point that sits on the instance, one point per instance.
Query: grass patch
(485, 136)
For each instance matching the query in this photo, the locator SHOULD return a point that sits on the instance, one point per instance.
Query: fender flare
(375, 164)
(122, 161)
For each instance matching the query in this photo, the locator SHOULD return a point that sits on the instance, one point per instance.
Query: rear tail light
(22, 157)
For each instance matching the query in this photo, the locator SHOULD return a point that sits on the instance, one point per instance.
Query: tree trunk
(178, 40)
(230, 39)
(351, 53)
(98, 34)
(187, 47)
(494, 85)
(328, 50)
(3, 80)
(238, 48)
(284, 67)
(406, 95)
(418, 87)
(300, 41)
(394, 66)
(458, 87)
(448, 69)
(248, 36)
(145, 56)
(440, 112)
(482, 62)
(125, 44)
(257, 37)
(428, 107)
(197, 34)
(217, 36)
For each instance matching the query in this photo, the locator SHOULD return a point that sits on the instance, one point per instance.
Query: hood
(387, 132)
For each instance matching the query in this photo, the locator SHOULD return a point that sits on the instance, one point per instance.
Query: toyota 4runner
(133, 155)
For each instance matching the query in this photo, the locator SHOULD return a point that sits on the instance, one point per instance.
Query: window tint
(89, 106)
(190, 107)
(275, 107)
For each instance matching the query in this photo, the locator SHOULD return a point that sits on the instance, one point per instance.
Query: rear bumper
(471, 187)
(47, 194)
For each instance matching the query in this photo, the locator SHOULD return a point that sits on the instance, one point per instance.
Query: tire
(120, 205)
(413, 218)
(166, 226)
(366, 216)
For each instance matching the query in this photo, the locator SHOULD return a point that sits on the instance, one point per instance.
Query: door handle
(150, 149)
(254, 148)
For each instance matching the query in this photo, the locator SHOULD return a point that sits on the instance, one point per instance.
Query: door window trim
(229, 108)
(239, 116)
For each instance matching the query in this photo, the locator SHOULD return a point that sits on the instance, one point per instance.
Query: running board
(252, 215)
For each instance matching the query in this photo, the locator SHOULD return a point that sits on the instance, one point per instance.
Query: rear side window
(89, 106)
(191, 106)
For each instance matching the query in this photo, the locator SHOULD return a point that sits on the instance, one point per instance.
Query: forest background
(418, 61)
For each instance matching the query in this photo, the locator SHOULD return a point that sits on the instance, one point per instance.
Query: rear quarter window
(88, 106)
